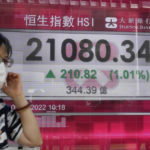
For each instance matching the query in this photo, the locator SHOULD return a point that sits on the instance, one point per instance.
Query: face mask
(3, 74)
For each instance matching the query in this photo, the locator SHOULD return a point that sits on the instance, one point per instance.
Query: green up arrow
(50, 74)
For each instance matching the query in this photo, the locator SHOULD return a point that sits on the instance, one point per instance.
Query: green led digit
(77, 74)
(87, 74)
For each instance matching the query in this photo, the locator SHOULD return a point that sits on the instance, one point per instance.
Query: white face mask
(3, 74)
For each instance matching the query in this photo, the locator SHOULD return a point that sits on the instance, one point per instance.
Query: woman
(18, 125)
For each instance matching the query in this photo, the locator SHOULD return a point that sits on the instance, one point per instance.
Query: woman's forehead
(3, 51)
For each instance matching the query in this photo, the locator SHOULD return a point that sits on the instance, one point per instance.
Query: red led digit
(74, 2)
(134, 4)
(125, 3)
(84, 2)
(115, 3)
(43, 1)
(53, 2)
(64, 2)
(105, 3)
(95, 3)
(145, 3)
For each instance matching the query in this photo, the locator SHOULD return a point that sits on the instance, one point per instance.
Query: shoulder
(4, 106)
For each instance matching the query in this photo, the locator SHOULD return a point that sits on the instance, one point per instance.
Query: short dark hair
(5, 41)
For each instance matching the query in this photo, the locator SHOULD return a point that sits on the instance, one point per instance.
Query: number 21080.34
(86, 54)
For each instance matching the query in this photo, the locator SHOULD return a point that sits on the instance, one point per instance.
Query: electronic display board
(85, 67)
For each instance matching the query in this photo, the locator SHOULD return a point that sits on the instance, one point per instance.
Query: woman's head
(4, 42)
(5, 51)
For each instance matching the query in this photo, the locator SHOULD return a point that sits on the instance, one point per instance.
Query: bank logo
(111, 22)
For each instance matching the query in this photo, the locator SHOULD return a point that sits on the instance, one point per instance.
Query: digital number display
(81, 65)
(86, 54)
